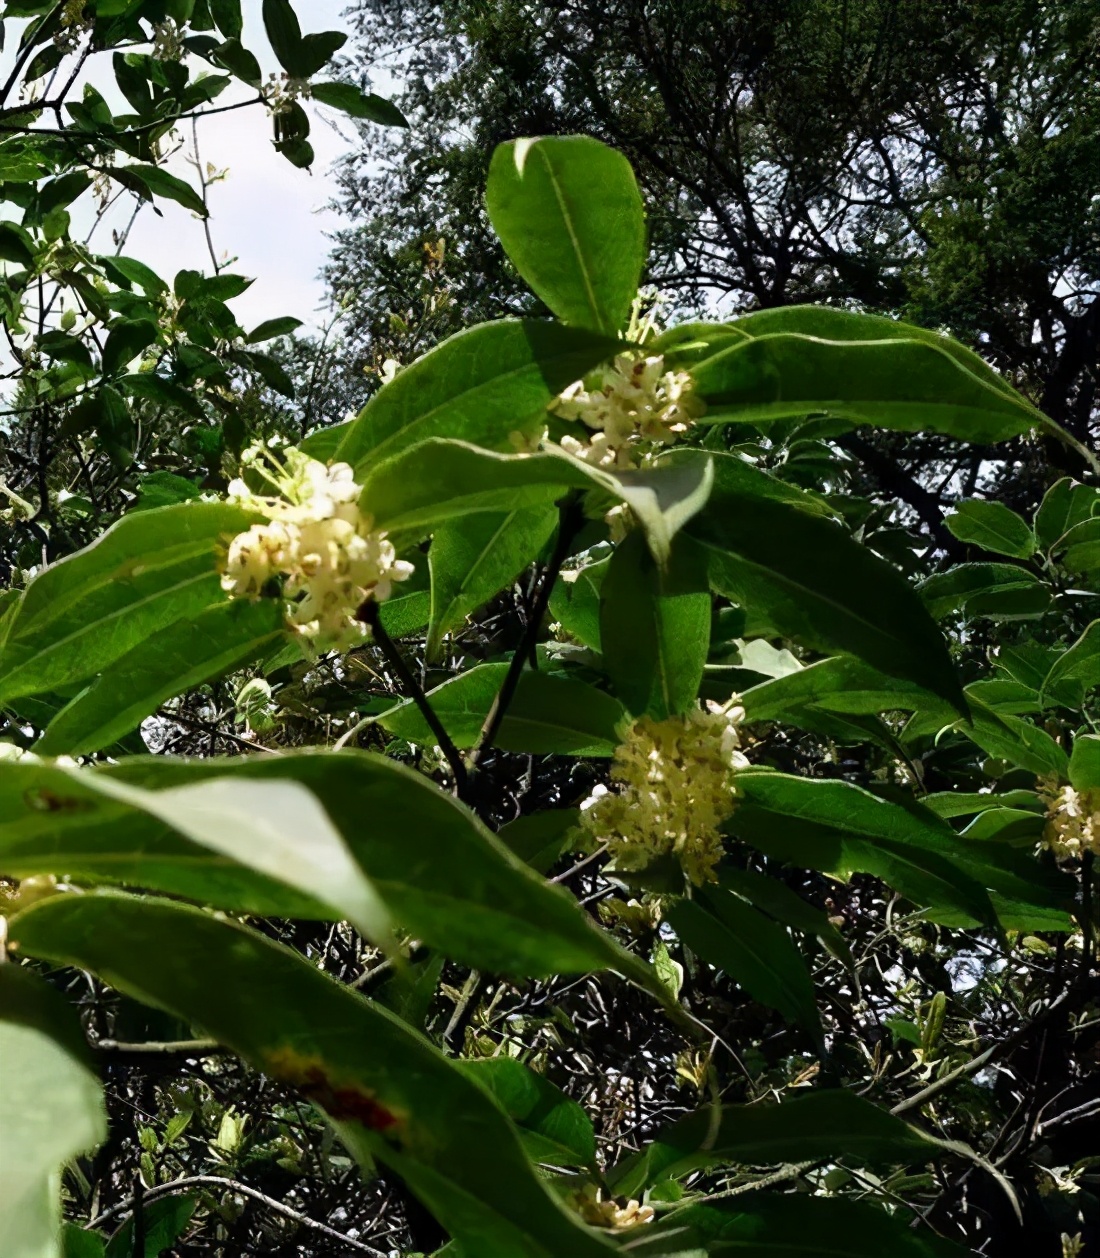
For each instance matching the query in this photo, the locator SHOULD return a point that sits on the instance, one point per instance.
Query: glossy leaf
(90, 609)
(472, 560)
(356, 103)
(840, 684)
(798, 1225)
(441, 480)
(832, 1124)
(53, 1110)
(757, 954)
(569, 215)
(165, 1221)
(815, 583)
(915, 382)
(993, 526)
(549, 715)
(1081, 663)
(998, 734)
(575, 602)
(1065, 504)
(995, 590)
(168, 663)
(1084, 763)
(777, 900)
(655, 626)
(554, 1129)
(385, 1088)
(481, 385)
(840, 828)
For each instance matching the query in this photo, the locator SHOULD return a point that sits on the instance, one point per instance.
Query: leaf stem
(368, 613)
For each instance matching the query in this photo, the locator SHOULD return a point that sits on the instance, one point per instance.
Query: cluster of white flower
(600, 1211)
(325, 550)
(72, 26)
(281, 91)
(1073, 822)
(167, 41)
(636, 407)
(675, 783)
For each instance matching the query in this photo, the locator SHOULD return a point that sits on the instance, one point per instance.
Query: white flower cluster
(281, 91)
(72, 26)
(325, 550)
(600, 1211)
(675, 786)
(636, 407)
(1073, 822)
(167, 41)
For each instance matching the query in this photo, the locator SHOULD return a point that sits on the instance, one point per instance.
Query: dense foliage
(647, 840)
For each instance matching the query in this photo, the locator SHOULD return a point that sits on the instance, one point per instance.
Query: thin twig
(368, 613)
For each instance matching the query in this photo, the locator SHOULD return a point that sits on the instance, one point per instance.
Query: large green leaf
(833, 1124)
(840, 684)
(655, 626)
(549, 715)
(802, 361)
(553, 1128)
(998, 591)
(998, 734)
(755, 952)
(796, 1225)
(1081, 663)
(575, 602)
(473, 559)
(815, 583)
(840, 828)
(1066, 504)
(442, 480)
(480, 385)
(386, 1089)
(777, 900)
(53, 821)
(1084, 763)
(52, 1106)
(177, 658)
(434, 867)
(83, 613)
(993, 526)
(569, 215)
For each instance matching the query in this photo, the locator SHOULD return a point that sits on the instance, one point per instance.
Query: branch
(369, 614)
(570, 522)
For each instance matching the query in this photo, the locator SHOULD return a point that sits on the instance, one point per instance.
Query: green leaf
(815, 583)
(996, 590)
(833, 1124)
(554, 1129)
(164, 489)
(53, 821)
(389, 1093)
(351, 100)
(227, 16)
(440, 480)
(541, 838)
(78, 1243)
(840, 829)
(53, 1110)
(569, 214)
(1081, 663)
(840, 684)
(655, 626)
(1004, 736)
(575, 602)
(170, 662)
(779, 901)
(480, 385)
(284, 34)
(756, 953)
(549, 715)
(90, 609)
(16, 245)
(803, 361)
(151, 181)
(440, 873)
(1084, 763)
(272, 328)
(165, 1222)
(993, 526)
(317, 51)
(473, 559)
(1065, 504)
(797, 1225)
(126, 340)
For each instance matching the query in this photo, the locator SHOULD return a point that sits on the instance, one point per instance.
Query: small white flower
(1073, 822)
(674, 785)
(167, 41)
